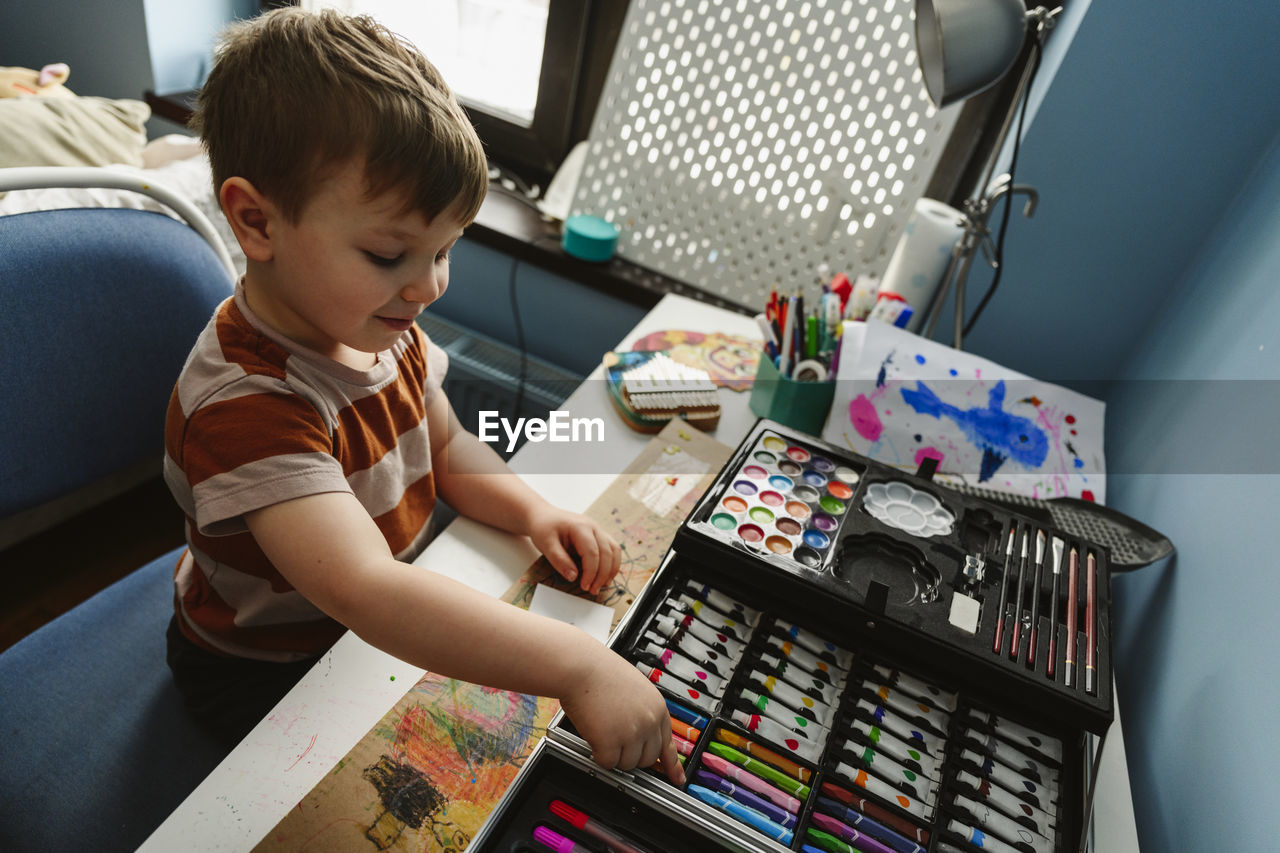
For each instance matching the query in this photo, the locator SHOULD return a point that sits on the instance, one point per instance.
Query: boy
(308, 437)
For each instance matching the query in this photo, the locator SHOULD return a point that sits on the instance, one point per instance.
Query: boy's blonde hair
(294, 95)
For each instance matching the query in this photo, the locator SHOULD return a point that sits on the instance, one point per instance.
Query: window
(529, 72)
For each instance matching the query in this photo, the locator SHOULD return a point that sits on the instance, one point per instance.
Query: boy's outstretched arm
(331, 551)
(474, 480)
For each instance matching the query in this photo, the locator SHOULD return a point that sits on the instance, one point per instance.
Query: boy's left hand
(577, 548)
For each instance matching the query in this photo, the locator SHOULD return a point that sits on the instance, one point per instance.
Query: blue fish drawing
(999, 434)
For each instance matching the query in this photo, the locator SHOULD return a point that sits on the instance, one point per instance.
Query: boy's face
(348, 278)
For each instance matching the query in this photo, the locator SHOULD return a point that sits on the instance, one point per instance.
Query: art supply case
(831, 684)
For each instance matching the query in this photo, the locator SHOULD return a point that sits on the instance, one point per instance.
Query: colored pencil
(1090, 624)
(1073, 570)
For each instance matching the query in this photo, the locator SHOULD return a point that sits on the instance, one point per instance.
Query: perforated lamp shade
(967, 45)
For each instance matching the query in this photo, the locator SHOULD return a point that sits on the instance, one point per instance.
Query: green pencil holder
(800, 405)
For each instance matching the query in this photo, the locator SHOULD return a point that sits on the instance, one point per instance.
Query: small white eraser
(964, 612)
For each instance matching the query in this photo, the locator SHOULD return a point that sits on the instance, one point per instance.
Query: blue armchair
(100, 308)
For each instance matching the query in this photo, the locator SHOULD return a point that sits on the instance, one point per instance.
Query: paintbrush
(1004, 588)
(1053, 605)
(1035, 598)
(1017, 610)
(1073, 570)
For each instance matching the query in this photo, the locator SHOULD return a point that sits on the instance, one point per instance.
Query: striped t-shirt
(256, 419)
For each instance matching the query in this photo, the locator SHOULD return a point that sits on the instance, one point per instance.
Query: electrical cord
(1008, 198)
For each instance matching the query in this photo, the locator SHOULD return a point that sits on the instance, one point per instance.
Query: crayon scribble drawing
(902, 399)
(428, 774)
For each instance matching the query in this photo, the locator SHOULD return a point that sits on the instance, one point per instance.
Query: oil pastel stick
(1017, 734)
(880, 788)
(852, 817)
(714, 617)
(776, 732)
(805, 659)
(792, 786)
(683, 746)
(1011, 756)
(684, 669)
(768, 756)
(918, 687)
(1004, 588)
(1073, 572)
(833, 827)
(824, 649)
(1007, 804)
(694, 648)
(909, 706)
(798, 678)
(752, 782)
(1038, 794)
(895, 773)
(886, 743)
(747, 815)
(681, 610)
(835, 793)
(802, 704)
(686, 715)
(980, 839)
(987, 819)
(1035, 598)
(686, 692)
(1058, 545)
(731, 606)
(718, 783)
(684, 730)
(880, 716)
(686, 625)
(581, 820)
(784, 715)
(1091, 624)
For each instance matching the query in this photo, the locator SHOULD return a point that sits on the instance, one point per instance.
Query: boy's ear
(250, 215)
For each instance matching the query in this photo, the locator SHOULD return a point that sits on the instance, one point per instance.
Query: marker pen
(683, 746)
(918, 687)
(752, 782)
(834, 830)
(794, 787)
(894, 840)
(595, 829)
(779, 815)
(772, 730)
(685, 691)
(550, 838)
(749, 816)
(729, 606)
(768, 756)
(798, 678)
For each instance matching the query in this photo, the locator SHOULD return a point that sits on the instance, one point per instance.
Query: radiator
(484, 375)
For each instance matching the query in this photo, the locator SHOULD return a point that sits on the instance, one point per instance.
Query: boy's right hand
(622, 716)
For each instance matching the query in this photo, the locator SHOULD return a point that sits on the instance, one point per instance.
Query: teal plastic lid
(589, 238)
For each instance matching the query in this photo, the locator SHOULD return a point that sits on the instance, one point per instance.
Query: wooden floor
(54, 571)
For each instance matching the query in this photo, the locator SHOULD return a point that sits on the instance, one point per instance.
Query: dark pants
(228, 695)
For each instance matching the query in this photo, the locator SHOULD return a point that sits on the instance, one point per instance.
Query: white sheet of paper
(595, 619)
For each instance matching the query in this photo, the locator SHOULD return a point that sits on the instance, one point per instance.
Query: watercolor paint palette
(924, 568)
(790, 741)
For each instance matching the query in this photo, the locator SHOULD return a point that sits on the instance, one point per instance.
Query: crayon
(747, 815)
(987, 819)
(834, 829)
(683, 746)
(772, 730)
(781, 816)
(734, 773)
(734, 608)
(794, 787)
(835, 793)
(768, 756)
(685, 715)
(894, 840)
(684, 730)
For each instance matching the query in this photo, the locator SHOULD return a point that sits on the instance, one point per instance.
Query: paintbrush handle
(1035, 612)
(1053, 627)
(1090, 625)
(1017, 609)
(1004, 592)
(1073, 570)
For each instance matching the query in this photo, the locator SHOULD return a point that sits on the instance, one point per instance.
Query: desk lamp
(965, 47)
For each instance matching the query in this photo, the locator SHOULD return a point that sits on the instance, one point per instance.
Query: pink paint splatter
(929, 453)
(863, 416)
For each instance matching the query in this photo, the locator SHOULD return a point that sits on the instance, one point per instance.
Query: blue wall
(1153, 262)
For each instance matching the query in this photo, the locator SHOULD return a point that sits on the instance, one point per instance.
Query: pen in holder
(798, 404)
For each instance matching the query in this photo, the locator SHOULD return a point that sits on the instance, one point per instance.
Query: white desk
(354, 685)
